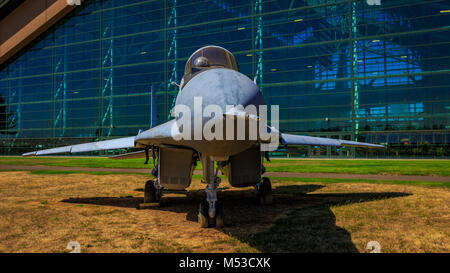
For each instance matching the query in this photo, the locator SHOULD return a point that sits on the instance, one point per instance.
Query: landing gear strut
(152, 191)
(210, 211)
(264, 191)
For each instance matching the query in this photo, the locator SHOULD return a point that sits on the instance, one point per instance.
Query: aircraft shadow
(298, 221)
(311, 228)
(124, 202)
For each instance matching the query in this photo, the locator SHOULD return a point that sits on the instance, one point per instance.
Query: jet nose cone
(221, 87)
(203, 113)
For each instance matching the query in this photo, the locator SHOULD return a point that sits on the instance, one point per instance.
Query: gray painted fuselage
(219, 86)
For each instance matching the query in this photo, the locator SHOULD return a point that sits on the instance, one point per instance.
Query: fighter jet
(211, 78)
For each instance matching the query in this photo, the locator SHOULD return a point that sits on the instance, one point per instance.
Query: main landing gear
(210, 212)
(264, 191)
(152, 191)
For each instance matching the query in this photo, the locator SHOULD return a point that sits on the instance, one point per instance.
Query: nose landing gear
(204, 218)
(211, 210)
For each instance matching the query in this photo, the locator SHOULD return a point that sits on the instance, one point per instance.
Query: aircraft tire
(150, 192)
(219, 215)
(203, 218)
(265, 192)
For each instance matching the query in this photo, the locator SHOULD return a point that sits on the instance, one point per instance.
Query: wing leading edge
(157, 135)
(288, 139)
(118, 143)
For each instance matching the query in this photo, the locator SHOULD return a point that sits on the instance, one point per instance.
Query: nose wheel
(205, 220)
(264, 191)
(210, 212)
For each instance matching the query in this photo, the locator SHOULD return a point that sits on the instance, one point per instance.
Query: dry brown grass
(419, 222)
(42, 213)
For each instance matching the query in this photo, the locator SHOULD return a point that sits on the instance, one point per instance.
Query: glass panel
(341, 67)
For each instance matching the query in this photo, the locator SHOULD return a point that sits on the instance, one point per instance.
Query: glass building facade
(340, 69)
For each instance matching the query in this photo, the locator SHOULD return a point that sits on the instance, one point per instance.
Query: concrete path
(273, 174)
(61, 168)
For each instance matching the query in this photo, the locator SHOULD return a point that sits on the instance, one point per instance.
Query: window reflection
(91, 75)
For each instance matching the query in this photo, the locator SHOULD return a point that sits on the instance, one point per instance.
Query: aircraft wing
(288, 139)
(118, 143)
(157, 135)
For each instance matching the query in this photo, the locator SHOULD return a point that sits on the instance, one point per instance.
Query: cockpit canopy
(208, 57)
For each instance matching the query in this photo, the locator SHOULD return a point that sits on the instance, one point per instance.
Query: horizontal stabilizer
(138, 154)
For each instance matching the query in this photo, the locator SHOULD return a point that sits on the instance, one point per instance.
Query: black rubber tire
(203, 217)
(265, 192)
(219, 215)
(150, 192)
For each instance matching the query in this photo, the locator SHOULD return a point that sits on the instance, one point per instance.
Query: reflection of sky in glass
(380, 58)
(372, 62)
(302, 36)
(375, 58)
(393, 112)
(305, 62)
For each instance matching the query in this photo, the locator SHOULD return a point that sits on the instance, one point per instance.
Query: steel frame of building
(171, 62)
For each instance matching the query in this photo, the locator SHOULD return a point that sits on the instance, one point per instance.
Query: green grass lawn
(400, 167)
(370, 181)
(91, 162)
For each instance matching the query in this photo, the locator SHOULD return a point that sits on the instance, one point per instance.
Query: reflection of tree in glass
(7, 120)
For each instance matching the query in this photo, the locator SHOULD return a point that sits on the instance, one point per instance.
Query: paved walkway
(273, 174)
